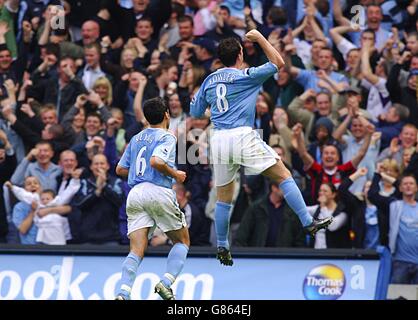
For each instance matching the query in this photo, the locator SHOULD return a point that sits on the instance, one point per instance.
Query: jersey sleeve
(125, 160)
(263, 72)
(165, 148)
(198, 104)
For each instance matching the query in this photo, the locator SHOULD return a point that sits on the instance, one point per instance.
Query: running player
(148, 162)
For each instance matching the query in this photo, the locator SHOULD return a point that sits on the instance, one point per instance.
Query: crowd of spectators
(342, 114)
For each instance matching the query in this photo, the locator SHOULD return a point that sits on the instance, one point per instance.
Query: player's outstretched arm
(161, 166)
(272, 54)
(122, 172)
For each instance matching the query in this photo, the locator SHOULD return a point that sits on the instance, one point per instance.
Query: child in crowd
(53, 228)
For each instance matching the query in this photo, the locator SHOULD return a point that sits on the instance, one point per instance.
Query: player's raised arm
(272, 54)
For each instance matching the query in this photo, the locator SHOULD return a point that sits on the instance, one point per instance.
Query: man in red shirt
(329, 170)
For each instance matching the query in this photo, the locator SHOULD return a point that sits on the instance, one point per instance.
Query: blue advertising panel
(67, 277)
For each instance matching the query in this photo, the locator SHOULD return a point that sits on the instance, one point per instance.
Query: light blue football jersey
(231, 94)
(146, 144)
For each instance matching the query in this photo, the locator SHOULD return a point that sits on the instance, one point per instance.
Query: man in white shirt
(91, 71)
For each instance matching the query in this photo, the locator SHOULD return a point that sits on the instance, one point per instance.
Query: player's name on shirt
(145, 137)
(222, 77)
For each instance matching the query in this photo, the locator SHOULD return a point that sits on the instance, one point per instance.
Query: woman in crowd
(337, 234)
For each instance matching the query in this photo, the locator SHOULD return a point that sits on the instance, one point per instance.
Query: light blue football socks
(295, 200)
(222, 216)
(129, 269)
(175, 262)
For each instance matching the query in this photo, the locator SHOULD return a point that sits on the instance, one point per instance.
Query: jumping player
(231, 94)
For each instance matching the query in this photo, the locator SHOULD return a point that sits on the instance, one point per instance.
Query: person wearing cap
(205, 49)
(353, 98)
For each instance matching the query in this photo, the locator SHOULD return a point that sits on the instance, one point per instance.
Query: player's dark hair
(154, 110)
(228, 51)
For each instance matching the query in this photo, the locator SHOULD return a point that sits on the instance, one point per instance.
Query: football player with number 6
(148, 163)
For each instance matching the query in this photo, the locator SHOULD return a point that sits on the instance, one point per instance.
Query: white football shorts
(243, 146)
(149, 205)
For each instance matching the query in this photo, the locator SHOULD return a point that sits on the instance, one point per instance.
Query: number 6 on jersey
(141, 164)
